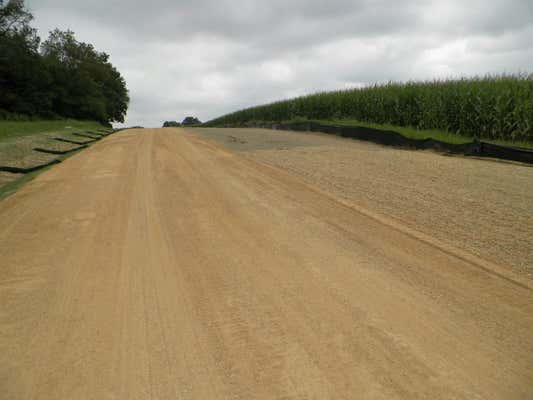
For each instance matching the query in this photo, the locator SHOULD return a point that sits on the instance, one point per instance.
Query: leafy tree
(116, 94)
(171, 124)
(88, 85)
(191, 121)
(23, 78)
(15, 18)
(61, 77)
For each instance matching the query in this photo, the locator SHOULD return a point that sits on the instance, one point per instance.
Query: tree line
(57, 78)
(188, 121)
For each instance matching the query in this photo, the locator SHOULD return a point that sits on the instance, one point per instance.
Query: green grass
(36, 133)
(414, 133)
(492, 108)
(11, 129)
(11, 187)
(407, 131)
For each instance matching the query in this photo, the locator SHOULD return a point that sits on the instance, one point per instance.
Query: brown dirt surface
(157, 265)
(481, 206)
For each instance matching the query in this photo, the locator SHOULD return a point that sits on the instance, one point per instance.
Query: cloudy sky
(210, 57)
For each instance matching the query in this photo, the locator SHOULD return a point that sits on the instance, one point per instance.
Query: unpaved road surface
(156, 265)
(482, 206)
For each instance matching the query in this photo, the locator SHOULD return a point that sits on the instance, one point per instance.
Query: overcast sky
(209, 57)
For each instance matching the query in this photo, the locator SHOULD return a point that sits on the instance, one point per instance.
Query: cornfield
(491, 107)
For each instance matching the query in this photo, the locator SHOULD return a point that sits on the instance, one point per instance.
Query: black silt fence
(395, 139)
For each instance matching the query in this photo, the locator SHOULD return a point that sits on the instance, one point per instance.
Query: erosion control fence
(391, 138)
(59, 152)
(81, 146)
(19, 170)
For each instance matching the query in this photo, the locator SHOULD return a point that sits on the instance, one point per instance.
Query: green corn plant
(490, 107)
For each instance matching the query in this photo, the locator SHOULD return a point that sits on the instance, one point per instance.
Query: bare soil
(157, 265)
(481, 206)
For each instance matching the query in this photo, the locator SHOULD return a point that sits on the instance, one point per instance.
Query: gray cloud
(209, 57)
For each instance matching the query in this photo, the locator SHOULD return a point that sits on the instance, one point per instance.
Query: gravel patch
(480, 206)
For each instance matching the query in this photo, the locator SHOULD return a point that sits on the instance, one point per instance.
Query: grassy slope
(13, 186)
(13, 129)
(10, 129)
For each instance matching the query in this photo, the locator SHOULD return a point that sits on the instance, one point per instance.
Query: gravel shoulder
(481, 206)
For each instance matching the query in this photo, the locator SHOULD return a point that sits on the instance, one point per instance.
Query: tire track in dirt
(156, 265)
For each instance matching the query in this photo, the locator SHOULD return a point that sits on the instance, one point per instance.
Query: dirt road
(156, 265)
(480, 206)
